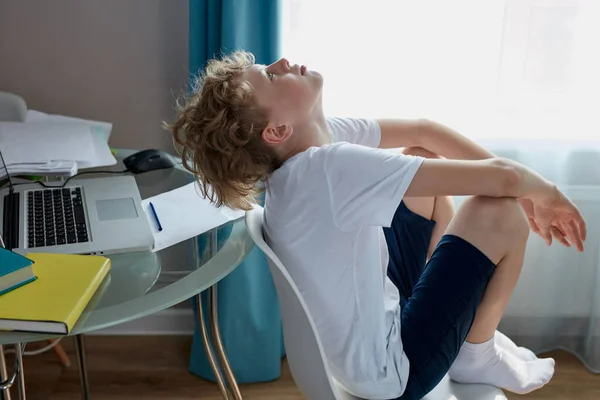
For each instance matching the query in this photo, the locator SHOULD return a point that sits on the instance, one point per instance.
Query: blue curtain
(218, 26)
(249, 316)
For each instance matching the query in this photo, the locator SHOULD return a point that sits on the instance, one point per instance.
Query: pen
(155, 216)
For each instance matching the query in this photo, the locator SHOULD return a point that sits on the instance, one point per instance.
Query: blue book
(15, 271)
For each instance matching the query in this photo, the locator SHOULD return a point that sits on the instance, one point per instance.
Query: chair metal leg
(83, 376)
(214, 319)
(208, 348)
(4, 394)
(21, 373)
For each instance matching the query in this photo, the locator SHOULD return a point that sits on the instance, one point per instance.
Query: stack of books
(47, 293)
(15, 271)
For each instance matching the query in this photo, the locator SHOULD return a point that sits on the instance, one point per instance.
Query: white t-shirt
(324, 213)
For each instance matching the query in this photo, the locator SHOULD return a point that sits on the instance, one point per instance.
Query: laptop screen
(4, 171)
(3, 175)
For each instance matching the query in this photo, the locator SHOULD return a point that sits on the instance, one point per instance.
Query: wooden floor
(155, 367)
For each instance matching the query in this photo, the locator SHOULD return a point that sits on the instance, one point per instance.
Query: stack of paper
(100, 135)
(54, 145)
(101, 129)
(51, 168)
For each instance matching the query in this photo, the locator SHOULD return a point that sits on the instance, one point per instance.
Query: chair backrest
(303, 347)
(12, 107)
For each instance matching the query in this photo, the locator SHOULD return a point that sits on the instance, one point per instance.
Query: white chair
(304, 349)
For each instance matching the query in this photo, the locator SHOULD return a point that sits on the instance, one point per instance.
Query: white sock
(507, 344)
(490, 364)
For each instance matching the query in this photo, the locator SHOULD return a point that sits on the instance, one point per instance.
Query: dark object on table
(148, 160)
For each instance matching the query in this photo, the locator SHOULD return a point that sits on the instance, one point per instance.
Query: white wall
(111, 60)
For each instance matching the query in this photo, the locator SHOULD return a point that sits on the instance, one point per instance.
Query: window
(493, 69)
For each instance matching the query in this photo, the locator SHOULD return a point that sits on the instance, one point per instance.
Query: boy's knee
(502, 215)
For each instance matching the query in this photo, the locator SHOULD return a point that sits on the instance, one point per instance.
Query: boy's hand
(556, 217)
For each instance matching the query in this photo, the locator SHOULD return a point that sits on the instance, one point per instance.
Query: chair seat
(450, 390)
(447, 390)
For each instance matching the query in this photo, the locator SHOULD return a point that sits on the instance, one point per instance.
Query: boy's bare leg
(439, 209)
(443, 212)
(498, 228)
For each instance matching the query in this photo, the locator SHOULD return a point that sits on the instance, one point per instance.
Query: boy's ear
(273, 134)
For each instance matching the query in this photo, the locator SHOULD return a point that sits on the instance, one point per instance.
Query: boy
(402, 291)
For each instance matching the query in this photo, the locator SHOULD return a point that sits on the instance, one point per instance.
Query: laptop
(87, 216)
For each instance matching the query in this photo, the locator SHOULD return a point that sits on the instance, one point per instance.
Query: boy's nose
(280, 66)
(283, 64)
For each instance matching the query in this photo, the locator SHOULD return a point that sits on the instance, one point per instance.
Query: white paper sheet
(103, 157)
(37, 142)
(104, 128)
(100, 134)
(183, 214)
(52, 168)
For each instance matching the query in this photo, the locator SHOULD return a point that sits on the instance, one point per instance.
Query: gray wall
(121, 61)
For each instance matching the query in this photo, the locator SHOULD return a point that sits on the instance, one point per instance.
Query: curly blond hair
(218, 134)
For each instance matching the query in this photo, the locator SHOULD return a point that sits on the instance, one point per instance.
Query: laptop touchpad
(114, 209)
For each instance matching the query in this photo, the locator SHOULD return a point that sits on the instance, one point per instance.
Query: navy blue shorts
(438, 298)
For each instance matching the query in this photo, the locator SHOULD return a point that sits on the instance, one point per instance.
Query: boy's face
(289, 92)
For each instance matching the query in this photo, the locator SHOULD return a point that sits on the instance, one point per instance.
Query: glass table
(143, 283)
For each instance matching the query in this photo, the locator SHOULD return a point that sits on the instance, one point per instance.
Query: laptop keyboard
(55, 217)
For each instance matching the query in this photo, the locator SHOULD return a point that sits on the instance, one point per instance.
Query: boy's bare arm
(496, 177)
(431, 136)
(550, 213)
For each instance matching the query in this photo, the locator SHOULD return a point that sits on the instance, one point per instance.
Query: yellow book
(54, 301)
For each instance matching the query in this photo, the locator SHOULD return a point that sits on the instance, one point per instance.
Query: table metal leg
(208, 348)
(83, 376)
(21, 372)
(4, 394)
(216, 335)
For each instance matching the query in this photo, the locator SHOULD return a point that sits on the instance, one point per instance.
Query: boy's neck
(314, 132)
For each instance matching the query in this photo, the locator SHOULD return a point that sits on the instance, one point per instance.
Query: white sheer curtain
(521, 77)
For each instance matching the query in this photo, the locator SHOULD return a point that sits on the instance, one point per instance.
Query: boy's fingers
(547, 236)
(582, 227)
(575, 232)
(579, 222)
(571, 234)
(545, 232)
(558, 235)
(559, 227)
(568, 232)
(534, 226)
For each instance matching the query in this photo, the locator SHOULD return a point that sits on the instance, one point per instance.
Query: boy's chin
(317, 79)
(317, 75)
(312, 74)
